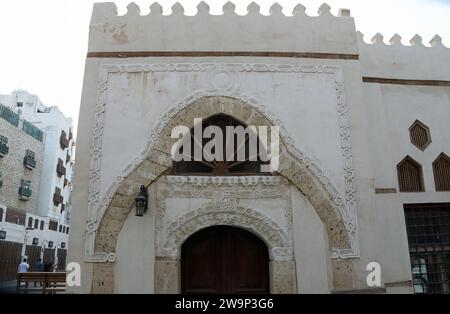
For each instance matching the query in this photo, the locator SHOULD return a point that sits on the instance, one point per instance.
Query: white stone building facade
(364, 151)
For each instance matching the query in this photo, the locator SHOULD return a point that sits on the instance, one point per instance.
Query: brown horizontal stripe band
(405, 81)
(141, 54)
(386, 191)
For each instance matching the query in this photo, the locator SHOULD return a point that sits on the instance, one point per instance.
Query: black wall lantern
(141, 202)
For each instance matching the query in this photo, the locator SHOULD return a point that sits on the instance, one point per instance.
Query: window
(53, 225)
(20, 104)
(1, 214)
(428, 228)
(30, 223)
(42, 225)
(36, 224)
(4, 148)
(420, 135)
(410, 176)
(250, 165)
(15, 217)
(60, 228)
(441, 170)
(30, 160)
(1, 181)
(25, 191)
(67, 230)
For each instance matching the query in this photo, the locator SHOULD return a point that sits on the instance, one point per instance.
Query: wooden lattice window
(410, 177)
(53, 225)
(441, 170)
(420, 135)
(221, 168)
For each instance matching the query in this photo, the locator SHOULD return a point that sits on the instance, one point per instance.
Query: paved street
(8, 287)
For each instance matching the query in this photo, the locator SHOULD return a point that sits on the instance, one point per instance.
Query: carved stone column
(167, 276)
(283, 279)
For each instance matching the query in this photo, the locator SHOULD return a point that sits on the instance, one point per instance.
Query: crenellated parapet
(229, 32)
(254, 34)
(395, 60)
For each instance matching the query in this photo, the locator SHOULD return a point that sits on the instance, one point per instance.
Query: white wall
(310, 247)
(134, 268)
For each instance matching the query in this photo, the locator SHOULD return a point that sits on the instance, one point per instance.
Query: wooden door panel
(249, 264)
(224, 260)
(201, 266)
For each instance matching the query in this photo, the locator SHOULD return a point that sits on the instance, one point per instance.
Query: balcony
(33, 131)
(9, 115)
(25, 191)
(63, 141)
(57, 197)
(60, 169)
(30, 160)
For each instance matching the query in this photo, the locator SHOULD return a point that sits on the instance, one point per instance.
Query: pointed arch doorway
(224, 260)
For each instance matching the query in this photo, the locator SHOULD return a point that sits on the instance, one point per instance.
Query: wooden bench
(51, 282)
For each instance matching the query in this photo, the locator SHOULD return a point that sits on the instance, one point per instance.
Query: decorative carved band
(345, 204)
(230, 181)
(231, 215)
(272, 54)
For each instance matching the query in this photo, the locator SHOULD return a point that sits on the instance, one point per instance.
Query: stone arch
(252, 220)
(157, 160)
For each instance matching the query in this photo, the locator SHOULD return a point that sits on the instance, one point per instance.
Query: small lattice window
(420, 135)
(410, 177)
(441, 170)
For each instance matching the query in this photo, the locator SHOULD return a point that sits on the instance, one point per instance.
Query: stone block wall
(13, 170)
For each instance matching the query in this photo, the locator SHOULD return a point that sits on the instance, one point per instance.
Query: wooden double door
(224, 260)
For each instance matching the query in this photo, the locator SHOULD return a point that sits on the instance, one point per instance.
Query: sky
(43, 44)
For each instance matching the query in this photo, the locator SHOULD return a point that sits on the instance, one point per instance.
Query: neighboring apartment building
(36, 175)
(56, 178)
